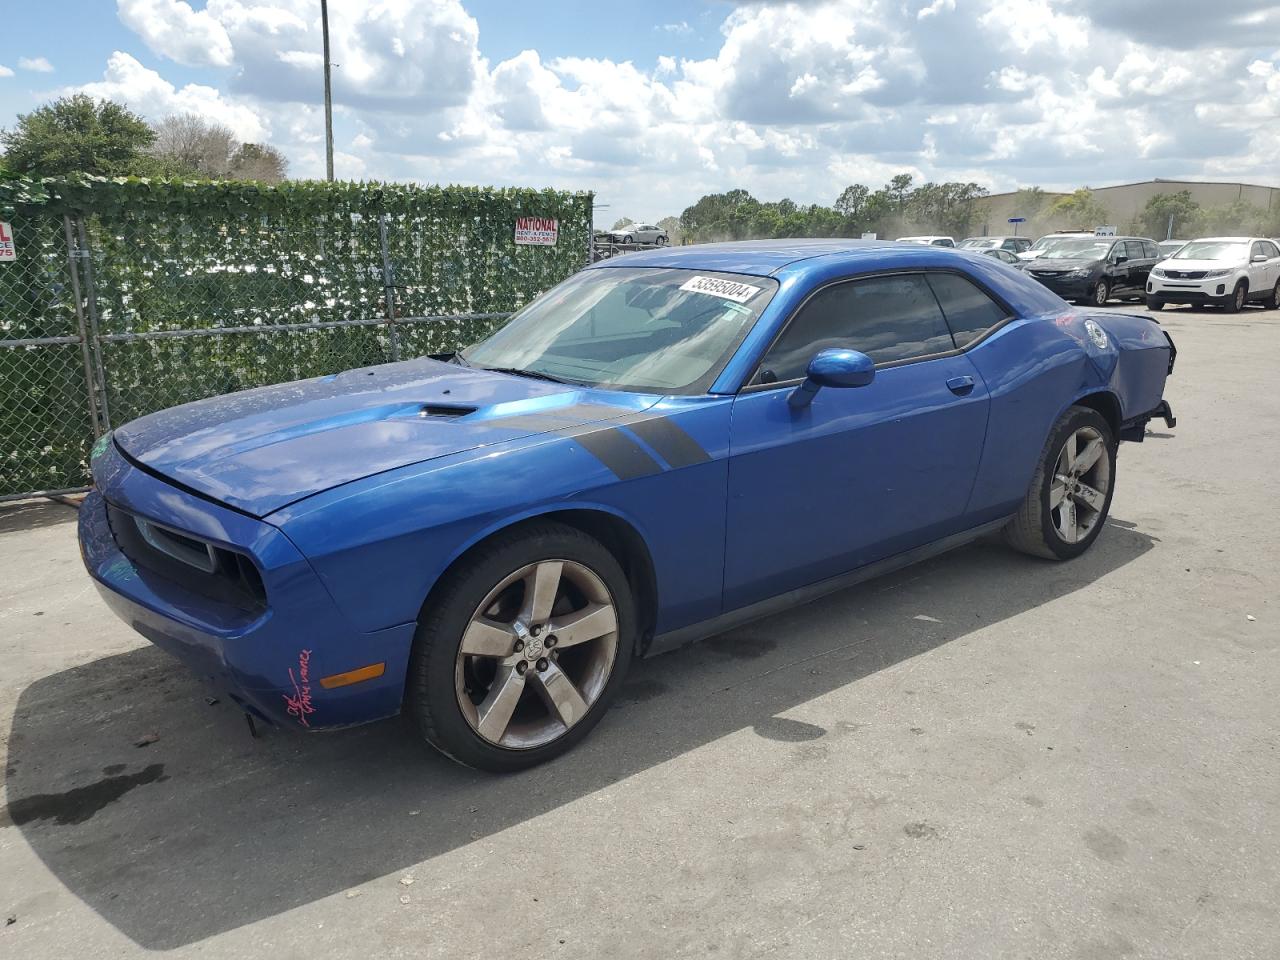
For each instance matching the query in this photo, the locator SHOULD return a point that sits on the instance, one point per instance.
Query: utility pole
(328, 95)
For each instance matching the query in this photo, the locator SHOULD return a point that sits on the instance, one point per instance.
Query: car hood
(260, 450)
(1063, 263)
(1181, 265)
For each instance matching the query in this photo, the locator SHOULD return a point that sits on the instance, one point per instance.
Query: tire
(1101, 293)
(1154, 304)
(447, 688)
(1273, 302)
(1037, 527)
(627, 239)
(662, 241)
(1235, 303)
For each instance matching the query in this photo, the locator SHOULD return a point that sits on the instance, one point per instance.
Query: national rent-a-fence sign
(536, 231)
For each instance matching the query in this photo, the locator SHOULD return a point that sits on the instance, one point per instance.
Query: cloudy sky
(653, 104)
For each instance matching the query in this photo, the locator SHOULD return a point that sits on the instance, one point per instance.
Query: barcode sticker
(725, 289)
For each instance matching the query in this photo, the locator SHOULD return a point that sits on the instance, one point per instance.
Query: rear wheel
(1070, 494)
(521, 649)
(1154, 304)
(1273, 302)
(1235, 303)
(1101, 293)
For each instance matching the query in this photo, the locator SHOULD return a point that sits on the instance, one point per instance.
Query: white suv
(1227, 271)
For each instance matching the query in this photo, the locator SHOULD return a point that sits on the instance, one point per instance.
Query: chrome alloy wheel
(1081, 479)
(536, 654)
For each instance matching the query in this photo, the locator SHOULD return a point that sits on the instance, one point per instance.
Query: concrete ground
(982, 756)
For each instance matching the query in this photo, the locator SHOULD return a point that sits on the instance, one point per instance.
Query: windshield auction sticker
(725, 289)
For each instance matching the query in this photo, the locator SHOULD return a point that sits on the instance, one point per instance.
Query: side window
(887, 318)
(1149, 250)
(969, 311)
(1256, 250)
(1270, 249)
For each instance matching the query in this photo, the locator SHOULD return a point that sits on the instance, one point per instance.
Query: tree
(1082, 208)
(1154, 219)
(671, 227)
(898, 188)
(258, 161)
(196, 145)
(77, 134)
(852, 200)
(188, 145)
(1028, 202)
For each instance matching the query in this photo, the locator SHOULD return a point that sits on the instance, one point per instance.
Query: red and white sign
(8, 250)
(536, 231)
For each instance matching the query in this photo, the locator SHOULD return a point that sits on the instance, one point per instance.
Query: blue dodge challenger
(661, 448)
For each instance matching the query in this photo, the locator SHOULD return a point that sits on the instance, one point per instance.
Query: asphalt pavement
(986, 755)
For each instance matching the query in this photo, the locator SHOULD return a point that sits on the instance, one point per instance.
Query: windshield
(630, 328)
(1079, 249)
(979, 243)
(1213, 250)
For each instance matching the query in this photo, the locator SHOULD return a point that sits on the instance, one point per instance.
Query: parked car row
(1093, 268)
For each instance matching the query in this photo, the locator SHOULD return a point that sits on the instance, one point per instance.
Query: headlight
(1157, 272)
(1215, 274)
(1079, 274)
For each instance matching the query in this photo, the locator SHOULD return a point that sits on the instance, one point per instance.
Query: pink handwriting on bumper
(299, 705)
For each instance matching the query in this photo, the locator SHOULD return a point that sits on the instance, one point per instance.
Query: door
(1261, 268)
(860, 473)
(1273, 262)
(1140, 263)
(1117, 269)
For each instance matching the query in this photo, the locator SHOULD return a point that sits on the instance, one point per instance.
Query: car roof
(1225, 239)
(758, 257)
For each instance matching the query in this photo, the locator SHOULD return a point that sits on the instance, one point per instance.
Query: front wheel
(1154, 304)
(1273, 302)
(1101, 293)
(1070, 494)
(521, 649)
(627, 238)
(1235, 303)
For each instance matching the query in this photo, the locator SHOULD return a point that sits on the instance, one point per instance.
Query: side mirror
(1260, 258)
(834, 367)
(1120, 260)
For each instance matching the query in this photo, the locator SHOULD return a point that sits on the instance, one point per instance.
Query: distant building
(1124, 203)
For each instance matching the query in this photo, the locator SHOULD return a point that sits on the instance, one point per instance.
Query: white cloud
(127, 81)
(5, 71)
(799, 100)
(35, 64)
(170, 28)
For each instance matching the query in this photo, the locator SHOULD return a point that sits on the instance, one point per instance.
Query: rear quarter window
(969, 311)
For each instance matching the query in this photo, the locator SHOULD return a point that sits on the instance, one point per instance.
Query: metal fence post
(389, 288)
(73, 269)
(85, 254)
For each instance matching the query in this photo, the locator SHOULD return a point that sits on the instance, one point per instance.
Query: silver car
(640, 233)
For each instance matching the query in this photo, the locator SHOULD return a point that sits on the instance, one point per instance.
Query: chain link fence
(110, 314)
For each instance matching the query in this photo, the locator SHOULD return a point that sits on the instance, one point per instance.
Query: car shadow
(163, 815)
(22, 515)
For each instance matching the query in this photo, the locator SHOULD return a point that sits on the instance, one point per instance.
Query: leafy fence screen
(130, 296)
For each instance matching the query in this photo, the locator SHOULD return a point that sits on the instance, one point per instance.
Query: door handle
(960, 386)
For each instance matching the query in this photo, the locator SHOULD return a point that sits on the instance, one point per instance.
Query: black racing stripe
(622, 455)
(670, 441)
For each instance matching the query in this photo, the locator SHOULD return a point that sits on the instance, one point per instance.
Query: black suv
(1095, 269)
